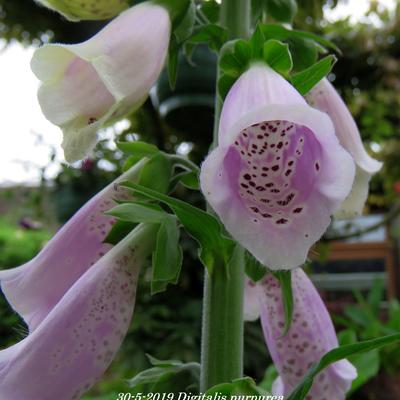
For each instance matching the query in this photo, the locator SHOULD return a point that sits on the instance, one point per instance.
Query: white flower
(89, 84)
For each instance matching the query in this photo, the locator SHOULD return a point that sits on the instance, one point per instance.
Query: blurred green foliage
(17, 246)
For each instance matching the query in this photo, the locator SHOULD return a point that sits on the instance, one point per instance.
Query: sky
(23, 152)
(28, 139)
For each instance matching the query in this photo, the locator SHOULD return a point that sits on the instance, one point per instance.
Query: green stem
(235, 15)
(222, 336)
(222, 332)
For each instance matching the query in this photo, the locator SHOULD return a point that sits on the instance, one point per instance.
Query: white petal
(354, 203)
(251, 305)
(324, 97)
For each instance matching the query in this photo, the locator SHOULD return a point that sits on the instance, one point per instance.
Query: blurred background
(356, 266)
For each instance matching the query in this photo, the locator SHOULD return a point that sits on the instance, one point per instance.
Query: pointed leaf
(304, 81)
(285, 279)
(156, 173)
(167, 257)
(172, 63)
(281, 10)
(137, 212)
(277, 55)
(238, 387)
(300, 392)
(254, 269)
(201, 225)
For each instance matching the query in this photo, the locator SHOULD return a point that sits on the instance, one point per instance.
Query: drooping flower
(74, 344)
(310, 336)
(76, 10)
(325, 98)
(92, 83)
(278, 173)
(37, 286)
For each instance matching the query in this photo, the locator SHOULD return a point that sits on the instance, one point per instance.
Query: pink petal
(36, 287)
(325, 98)
(310, 336)
(279, 172)
(74, 345)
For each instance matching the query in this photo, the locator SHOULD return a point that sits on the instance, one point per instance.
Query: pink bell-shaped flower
(325, 98)
(74, 344)
(87, 85)
(310, 336)
(37, 286)
(278, 173)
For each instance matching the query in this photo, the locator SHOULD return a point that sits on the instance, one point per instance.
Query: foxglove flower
(89, 84)
(278, 173)
(75, 10)
(36, 287)
(75, 343)
(325, 98)
(310, 336)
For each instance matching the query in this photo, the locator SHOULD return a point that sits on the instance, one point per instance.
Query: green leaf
(167, 257)
(367, 364)
(270, 375)
(190, 180)
(186, 24)
(200, 225)
(210, 10)
(139, 212)
(230, 65)
(138, 148)
(278, 32)
(243, 51)
(338, 354)
(254, 269)
(178, 10)
(225, 82)
(119, 230)
(156, 173)
(281, 10)
(304, 81)
(277, 55)
(214, 35)
(241, 386)
(167, 377)
(285, 279)
(172, 62)
(257, 42)
(304, 52)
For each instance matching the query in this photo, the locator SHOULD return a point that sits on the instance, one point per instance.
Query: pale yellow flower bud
(76, 10)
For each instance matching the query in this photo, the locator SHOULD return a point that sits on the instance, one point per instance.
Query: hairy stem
(222, 332)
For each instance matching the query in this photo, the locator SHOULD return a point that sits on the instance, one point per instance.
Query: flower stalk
(222, 332)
